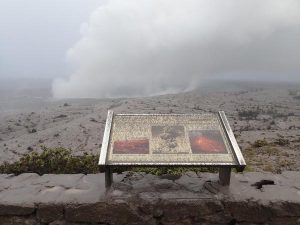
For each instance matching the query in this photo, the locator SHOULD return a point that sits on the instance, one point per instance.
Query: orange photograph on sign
(139, 146)
(206, 141)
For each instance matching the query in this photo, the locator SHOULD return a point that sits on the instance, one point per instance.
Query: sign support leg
(108, 177)
(224, 175)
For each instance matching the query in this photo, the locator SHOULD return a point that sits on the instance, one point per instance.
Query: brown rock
(119, 213)
(13, 220)
(49, 213)
(249, 211)
(16, 210)
(285, 209)
(285, 221)
(196, 209)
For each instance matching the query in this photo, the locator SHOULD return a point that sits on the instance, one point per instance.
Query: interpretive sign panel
(169, 139)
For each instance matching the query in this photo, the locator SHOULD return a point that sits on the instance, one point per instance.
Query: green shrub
(59, 160)
(52, 160)
(260, 143)
(282, 141)
(249, 114)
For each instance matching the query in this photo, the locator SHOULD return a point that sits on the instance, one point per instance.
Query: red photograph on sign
(206, 141)
(140, 146)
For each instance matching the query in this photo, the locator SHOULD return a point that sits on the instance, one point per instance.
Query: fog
(35, 35)
(143, 47)
(112, 48)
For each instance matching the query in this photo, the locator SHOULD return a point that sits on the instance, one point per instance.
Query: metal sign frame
(224, 167)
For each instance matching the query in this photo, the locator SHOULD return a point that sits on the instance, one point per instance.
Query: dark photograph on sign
(169, 139)
(138, 146)
(206, 141)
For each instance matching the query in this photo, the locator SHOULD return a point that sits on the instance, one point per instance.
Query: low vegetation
(52, 160)
(253, 112)
(282, 141)
(250, 114)
(263, 142)
(60, 161)
(260, 143)
(167, 170)
(269, 156)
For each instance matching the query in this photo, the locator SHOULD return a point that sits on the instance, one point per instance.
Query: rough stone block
(16, 210)
(13, 220)
(102, 213)
(150, 200)
(249, 211)
(178, 210)
(49, 213)
(285, 209)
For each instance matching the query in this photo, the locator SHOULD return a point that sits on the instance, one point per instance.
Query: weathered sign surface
(169, 139)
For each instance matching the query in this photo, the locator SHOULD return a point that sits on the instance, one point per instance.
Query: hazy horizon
(14, 88)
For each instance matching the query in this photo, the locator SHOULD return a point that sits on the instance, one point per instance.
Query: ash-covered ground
(265, 118)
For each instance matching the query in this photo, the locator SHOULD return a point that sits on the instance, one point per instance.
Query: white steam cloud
(140, 47)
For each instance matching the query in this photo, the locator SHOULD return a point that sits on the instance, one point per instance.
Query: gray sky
(104, 48)
(36, 34)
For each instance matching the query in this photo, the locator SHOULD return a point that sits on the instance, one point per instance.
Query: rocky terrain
(265, 120)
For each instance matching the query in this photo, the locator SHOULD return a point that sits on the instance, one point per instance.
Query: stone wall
(252, 198)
